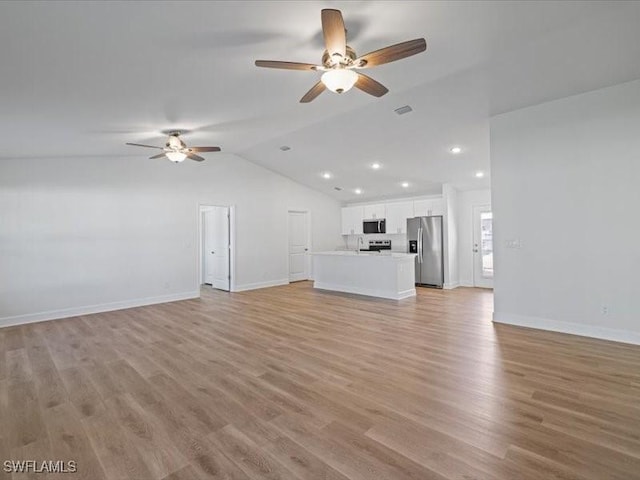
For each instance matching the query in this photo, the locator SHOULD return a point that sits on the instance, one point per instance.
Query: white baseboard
(366, 291)
(472, 285)
(450, 286)
(89, 309)
(406, 294)
(593, 331)
(255, 286)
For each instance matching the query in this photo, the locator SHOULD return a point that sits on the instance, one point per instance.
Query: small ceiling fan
(176, 150)
(340, 61)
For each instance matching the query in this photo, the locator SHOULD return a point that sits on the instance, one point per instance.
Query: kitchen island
(376, 274)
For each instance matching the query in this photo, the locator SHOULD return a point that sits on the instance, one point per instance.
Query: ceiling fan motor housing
(346, 61)
(174, 141)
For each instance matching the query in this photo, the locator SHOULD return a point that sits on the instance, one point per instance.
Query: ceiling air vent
(285, 148)
(403, 110)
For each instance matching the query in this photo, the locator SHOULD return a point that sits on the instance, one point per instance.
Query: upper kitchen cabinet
(437, 207)
(428, 208)
(397, 214)
(374, 212)
(352, 220)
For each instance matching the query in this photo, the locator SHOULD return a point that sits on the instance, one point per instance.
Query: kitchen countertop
(381, 254)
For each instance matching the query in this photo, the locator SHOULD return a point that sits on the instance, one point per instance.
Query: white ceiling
(84, 78)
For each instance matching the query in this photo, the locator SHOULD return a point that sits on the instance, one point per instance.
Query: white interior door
(298, 246)
(207, 247)
(216, 247)
(483, 247)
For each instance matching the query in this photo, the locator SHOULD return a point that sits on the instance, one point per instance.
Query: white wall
(466, 201)
(86, 234)
(450, 234)
(565, 182)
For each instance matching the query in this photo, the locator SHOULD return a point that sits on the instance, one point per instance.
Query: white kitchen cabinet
(397, 214)
(374, 211)
(352, 220)
(437, 207)
(421, 208)
(428, 207)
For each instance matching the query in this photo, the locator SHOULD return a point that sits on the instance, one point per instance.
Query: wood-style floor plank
(118, 455)
(69, 441)
(23, 418)
(254, 461)
(144, 431)
(295, 383)
(4, 421)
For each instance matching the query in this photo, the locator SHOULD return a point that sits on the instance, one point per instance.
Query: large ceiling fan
(340, 62)
(176, 150)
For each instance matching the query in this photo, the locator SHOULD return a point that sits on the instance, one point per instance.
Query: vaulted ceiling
(83, 78)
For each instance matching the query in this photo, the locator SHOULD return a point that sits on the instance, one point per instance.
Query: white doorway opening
(483, 246)
(216, 252)
(299, 245)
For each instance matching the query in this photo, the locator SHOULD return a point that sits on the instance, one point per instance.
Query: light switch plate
(513, 243)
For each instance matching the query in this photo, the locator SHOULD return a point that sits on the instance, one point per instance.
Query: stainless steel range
(378, 245)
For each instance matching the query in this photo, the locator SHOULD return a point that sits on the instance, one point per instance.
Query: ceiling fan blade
(316, 90)
(370, 86)
(160, 155)
(392, 53)
(335, 36)
(195, 157)
(285, 65)
(140, 145)
(204, 149)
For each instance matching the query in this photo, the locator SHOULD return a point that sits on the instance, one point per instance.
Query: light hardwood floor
(292, 383)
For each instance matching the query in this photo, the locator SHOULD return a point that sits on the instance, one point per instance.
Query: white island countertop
(353, 253)
(378, 274)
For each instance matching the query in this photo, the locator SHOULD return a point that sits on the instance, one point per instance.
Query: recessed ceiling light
(285, 148)
(405, 184)
(479, 174)
(456, 150)
(375, 166)
(326, 175)
(358, 191)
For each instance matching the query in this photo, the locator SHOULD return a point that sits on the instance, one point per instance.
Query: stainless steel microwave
(374, 226)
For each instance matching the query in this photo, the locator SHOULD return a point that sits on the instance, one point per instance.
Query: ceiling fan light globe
(339, 80)
(176, 157)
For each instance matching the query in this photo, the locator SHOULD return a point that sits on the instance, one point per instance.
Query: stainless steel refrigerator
(424, 235)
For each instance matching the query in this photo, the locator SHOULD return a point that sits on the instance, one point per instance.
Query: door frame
(232, 244)
(474, 226)
(308, 241)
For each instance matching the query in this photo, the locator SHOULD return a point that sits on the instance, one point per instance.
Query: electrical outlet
(604, 309)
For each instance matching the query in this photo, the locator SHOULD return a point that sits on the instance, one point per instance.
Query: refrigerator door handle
(420, 245)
